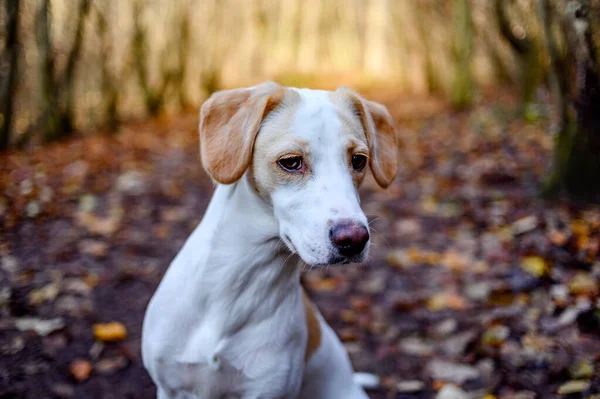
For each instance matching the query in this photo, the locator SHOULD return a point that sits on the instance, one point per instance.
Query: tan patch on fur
(229, 123)
(273, 142)
(313, 327)
(381, 135)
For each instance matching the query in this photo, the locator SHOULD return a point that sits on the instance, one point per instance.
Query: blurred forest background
(88, 64)
(476, 287)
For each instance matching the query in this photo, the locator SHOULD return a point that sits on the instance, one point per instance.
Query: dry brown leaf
(455, 261)
(580, 228)
(558, 238)
(100, 225)
(110, 332)
(80, 369)
(583, 284)
(446, 300)
(97, 249)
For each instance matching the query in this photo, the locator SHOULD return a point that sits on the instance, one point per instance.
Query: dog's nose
(349, 238)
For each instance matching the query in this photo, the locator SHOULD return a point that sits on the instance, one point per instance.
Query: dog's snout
(349, 238)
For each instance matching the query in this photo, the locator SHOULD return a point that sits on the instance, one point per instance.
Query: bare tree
(527, 48)
(57, 95)
(154, 97)
(461, 95)
(50, 118)
(425, 11)
(183, 48)
(9, 72)
(110, 92)
(576, 161)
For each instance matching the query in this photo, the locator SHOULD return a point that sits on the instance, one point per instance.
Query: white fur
(227, 320)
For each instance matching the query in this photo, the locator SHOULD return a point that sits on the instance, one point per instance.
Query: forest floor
(473, 281)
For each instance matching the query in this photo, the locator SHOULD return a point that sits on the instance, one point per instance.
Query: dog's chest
(246, 362)
(211, 360)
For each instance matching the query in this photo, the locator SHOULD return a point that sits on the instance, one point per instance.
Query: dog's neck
(246, 271)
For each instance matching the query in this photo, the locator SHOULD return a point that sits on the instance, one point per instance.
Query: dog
(230, 318)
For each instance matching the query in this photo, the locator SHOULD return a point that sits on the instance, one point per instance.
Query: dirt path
(472, 281)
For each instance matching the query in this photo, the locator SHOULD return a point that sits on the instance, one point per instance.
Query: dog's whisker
(371, 221)
(380, 235)
(285, 261)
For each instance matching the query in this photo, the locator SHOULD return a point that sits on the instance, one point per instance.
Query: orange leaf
(110, 332)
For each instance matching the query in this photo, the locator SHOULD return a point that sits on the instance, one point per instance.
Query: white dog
(230, 318)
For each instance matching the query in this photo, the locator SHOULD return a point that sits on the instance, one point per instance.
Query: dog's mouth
(333, 258)
(344, 260)
(338, 260)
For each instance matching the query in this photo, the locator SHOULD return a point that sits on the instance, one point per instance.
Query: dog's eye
(290, 164)
(359, 161)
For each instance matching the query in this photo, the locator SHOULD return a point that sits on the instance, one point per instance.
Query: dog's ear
(229, 123)
(381, 136)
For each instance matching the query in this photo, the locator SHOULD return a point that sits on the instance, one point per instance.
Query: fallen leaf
(40, 326)
(91, 279)
(131, 182)
(582, 369)
(95, 248)
(76, 286)
(110, 365)
(455, 261)
(560, 294)
(96, 350)
(410, 386)
(416, 346)
(360, 303)
(558, 238)
(451, 372)
(399, 259)
(524, 225)
(348, 335)
(574, 386)
(110, 332)
(446, 300)
(105, 226)
(580, 228)
(450, 391)
(80, 369)
(583, 284)
(495, 336)
(348, 316)
(48, 293)
(429, 205)
(535, 266)
(63, 390)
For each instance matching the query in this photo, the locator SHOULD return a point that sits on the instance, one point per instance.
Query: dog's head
(305, 152)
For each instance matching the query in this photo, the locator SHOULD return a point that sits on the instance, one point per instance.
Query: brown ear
(229, 123)
(381, 136)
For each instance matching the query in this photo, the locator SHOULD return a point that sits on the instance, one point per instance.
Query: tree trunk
(461, 95)
(153, 97)
(110, 92)
(8, 82)
(67, 81)
(49, 104)
(57, 117)
(527, 50)
(184, 45)
(424, 10)
(576, 162)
